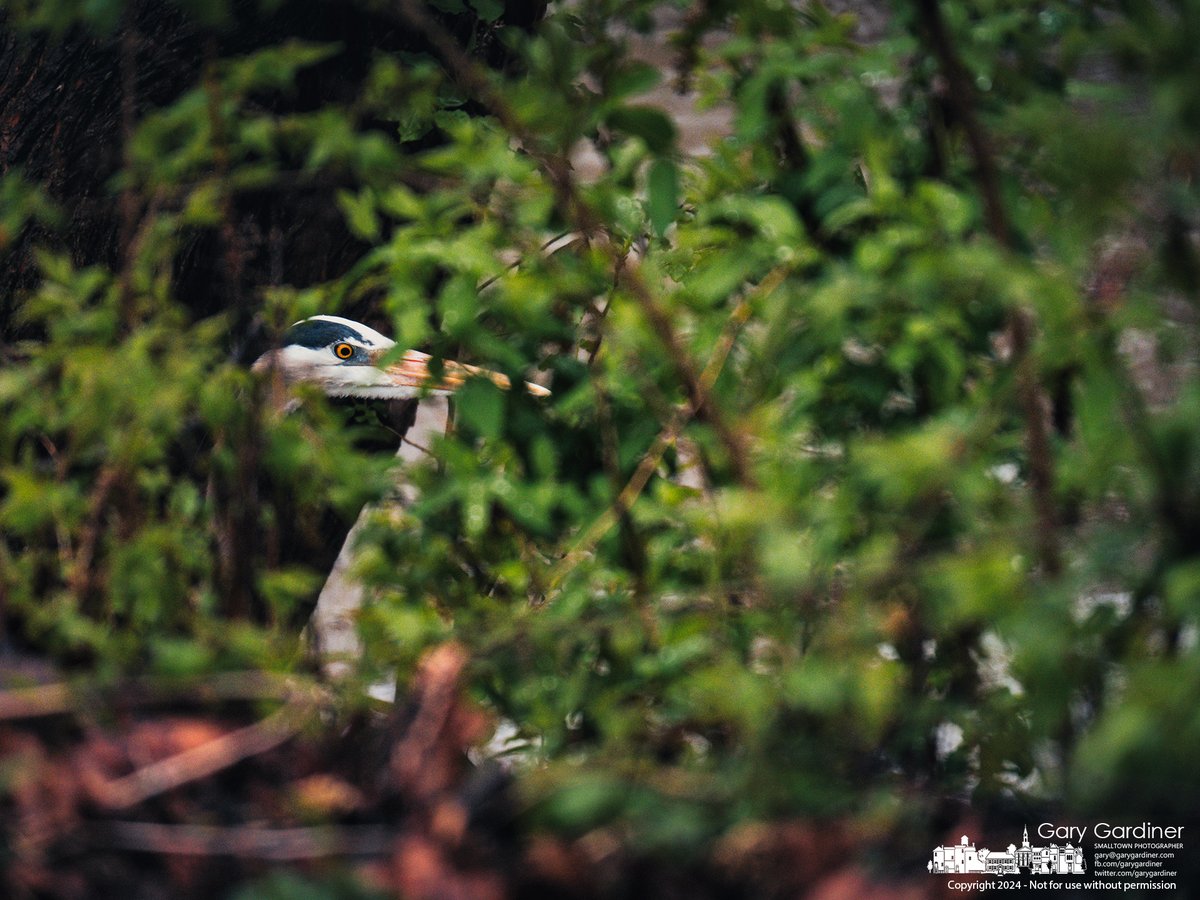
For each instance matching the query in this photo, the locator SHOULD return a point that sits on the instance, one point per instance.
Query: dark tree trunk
(68, 106)
(67, 102)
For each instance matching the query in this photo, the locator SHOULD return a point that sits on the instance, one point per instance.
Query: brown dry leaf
(429, 758)
(421, 870)
(324, 795)
(44, 792)
(552, 861)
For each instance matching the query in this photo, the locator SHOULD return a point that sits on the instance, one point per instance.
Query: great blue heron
(349, 360)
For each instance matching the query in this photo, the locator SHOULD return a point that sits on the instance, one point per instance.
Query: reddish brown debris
(144, 804)
(144, 799)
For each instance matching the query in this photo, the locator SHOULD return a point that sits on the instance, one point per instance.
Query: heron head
(345, 358)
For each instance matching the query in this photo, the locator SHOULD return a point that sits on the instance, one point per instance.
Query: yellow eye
(343, 351)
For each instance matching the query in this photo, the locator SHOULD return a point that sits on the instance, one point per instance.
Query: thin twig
(62, 536)
(82, 578)
(961, 97)
(419, 447)
(623, 502)
(548, 248)
(641, 476)
(603, 312)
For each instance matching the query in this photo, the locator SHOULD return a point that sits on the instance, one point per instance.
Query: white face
(341, 358)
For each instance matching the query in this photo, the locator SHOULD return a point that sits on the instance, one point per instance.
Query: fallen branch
(245, 841)
(198, 762)
(35, 702)
(61, 697)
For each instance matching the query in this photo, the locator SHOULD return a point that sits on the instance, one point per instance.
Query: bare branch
(575, 207)
(60, 698)
(82, 579)
(198, 762)
(667, 437)
(961, 97)
(245, 841)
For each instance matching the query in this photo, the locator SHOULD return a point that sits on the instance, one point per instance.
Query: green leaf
(360, 213)
(481, 406)
(635, 77)
(103, 15)
(207, 12)
(489, 10)
(649, 123)
(662, 194)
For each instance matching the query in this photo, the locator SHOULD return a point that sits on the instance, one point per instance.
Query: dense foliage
(868, 486)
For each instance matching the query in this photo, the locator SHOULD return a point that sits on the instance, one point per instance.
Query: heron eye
(343, 351)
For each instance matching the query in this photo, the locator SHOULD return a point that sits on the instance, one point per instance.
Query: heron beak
(413, 371)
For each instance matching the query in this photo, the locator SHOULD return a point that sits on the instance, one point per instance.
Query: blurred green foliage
(864, 628)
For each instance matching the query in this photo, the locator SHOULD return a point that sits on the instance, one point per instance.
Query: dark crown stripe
(318, 333)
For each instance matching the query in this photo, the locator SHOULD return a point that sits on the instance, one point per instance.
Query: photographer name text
(1102, 831)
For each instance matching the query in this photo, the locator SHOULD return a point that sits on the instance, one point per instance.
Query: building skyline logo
(965, 858)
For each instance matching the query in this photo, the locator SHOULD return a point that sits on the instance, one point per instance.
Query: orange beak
(412, 371)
